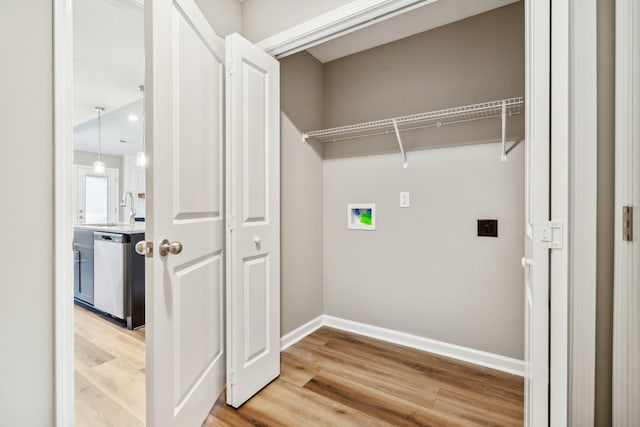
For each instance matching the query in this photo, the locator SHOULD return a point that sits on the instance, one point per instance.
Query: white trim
(583, 148)
(63, 266)
(299, 333)
(465, 354)
(626, 321)
(338, 22)
(559, 259)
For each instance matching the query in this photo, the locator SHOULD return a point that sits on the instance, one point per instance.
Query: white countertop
(138, 227)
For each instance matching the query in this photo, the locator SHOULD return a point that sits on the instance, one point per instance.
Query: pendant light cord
(99, 135)
(144, 144)
(100, 110)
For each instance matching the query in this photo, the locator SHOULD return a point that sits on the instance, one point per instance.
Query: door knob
(257, 240)
(167, 247)
(144, 248)
(526, 262)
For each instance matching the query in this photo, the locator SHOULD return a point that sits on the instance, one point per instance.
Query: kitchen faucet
(132, 212)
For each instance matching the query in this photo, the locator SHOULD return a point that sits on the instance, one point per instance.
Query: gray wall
(264, 18)
(424, 271)
(225, 16)
(26, 189)
(606, 233)
(301, 191)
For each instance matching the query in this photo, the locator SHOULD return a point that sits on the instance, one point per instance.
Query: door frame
(572, 185)
(63, 232)
(572, 275)
(626, 325)
(574, 146)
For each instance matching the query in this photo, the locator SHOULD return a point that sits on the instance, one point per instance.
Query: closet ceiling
(432, 15)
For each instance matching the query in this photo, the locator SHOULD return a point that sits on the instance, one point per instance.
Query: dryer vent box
(488, 228)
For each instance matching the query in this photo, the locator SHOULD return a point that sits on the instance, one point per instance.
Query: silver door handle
(144, 248)
(167, 248)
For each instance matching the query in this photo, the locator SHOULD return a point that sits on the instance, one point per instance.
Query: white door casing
(253, 212)
(626, 308)
(536, 259)
(185, 188)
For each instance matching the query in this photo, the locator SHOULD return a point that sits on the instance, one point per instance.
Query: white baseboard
(297, 334)
(482, 358)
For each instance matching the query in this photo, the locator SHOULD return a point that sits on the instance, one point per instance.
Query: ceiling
(119, 134)
(108, 56)
(109, 61)
(431, 15)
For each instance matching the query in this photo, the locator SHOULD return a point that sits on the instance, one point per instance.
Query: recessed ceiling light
(133, 118)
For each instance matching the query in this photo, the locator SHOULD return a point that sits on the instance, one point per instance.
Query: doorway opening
(258, 242)
(108, 212)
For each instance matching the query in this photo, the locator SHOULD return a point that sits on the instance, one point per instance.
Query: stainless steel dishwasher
(109, 272)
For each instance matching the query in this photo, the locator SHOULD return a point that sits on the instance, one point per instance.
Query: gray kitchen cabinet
(83, 266)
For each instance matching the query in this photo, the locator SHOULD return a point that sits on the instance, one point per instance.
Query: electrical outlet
(404, 199)
(488, 227)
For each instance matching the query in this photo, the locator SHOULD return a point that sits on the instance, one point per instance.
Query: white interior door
(185, 177)
(95, 196)
(536, 258)
(253, 212)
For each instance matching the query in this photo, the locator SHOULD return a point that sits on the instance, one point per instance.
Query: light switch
(404, 199)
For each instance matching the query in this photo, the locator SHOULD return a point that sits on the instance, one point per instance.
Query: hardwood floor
(109, 372)
(333, 378)
(330, 378)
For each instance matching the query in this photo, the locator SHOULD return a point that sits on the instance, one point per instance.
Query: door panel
(185, 346)
(253, 209)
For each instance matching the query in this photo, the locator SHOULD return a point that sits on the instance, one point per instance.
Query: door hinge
(553, 234)
(232, 377)
(230, 66)
(627, 223)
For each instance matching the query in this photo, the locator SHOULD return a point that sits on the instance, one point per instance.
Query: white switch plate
(404, 199)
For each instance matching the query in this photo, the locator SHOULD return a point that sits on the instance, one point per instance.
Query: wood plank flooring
(334, 378)
(330, 378)
(109, 372)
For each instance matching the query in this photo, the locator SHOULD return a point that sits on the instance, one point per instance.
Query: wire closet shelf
(485, 110)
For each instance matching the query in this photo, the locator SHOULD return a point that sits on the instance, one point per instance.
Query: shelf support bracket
(404, 155)
(503, 157)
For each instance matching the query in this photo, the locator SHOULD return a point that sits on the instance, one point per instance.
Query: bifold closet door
(185, 214)
(253, 212)
(537, 180)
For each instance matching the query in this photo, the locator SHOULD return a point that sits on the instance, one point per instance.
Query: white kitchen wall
(133, 180)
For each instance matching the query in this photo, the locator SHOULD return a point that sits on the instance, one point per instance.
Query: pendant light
(141, 159)
(98, 167)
